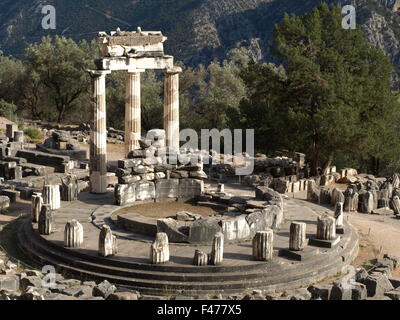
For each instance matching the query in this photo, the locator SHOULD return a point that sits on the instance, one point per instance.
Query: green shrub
(33, 133)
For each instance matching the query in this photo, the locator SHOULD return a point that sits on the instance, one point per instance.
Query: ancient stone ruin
(132, 52)
(112, 221)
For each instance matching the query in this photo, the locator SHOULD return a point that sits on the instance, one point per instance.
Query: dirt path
(22, 207)
(378, 235)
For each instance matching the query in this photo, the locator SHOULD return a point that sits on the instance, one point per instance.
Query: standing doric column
(297, 237)
(159, 250)
(36, 207)
(200, 258)
(339, 214)
(107, 242)
(132, 111)
(69, 188)
(46, 218)
(263, 247)
(171, 107)
(51, 196)
(73, 234)
(217, 251)
(326, 228)
(98, 132)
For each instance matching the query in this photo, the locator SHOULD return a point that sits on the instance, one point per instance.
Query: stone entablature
(132, 43)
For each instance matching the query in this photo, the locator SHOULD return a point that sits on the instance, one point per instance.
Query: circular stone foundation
(132, 267)
(197, 220)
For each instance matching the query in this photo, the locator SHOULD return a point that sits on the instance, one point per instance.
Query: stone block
(9, 283)
(167, 188)
(235, 228)
(4, 202)
(104, 289)
(359, 291)
(125, 194)
(123, 296)
(377, 284)
(187, 216)
(173, 229)
(179, 174)
(305, 254)
(129, 163)
(395, 281)
(340, 292)
(395, 259)
(394, 294)
(145, 191)
(281, 185)
(123, 172)
(61, 145)
(31, 281)
(299, 294)
(320, 291)
(203, 230)
(388, 263)
(270, 217)
(13, 195)
(190, 188)
(198, 174)
(129, 179)
(383, 211)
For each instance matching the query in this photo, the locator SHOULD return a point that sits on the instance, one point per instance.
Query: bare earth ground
(167, 210)
(377, 234)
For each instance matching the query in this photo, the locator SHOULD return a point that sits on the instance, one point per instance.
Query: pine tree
(335, 97)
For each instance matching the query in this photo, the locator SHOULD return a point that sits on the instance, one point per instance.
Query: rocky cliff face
(198, 30)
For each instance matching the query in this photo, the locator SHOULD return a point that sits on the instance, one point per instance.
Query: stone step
(210, 271)
(119, 279)
(153, 286)
(301, 280)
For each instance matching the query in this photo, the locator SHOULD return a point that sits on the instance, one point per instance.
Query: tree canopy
(334, 97)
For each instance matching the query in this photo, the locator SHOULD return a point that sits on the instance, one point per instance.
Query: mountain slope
(198, 30)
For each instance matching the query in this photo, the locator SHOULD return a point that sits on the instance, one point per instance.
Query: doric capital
(98, 73)
(173, 70)
(135, 70)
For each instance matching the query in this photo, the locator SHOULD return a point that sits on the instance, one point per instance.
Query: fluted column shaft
(217, 251)
(98, 133)
(263, 247)
(171, 108)
(132, 112)
(297, 236)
